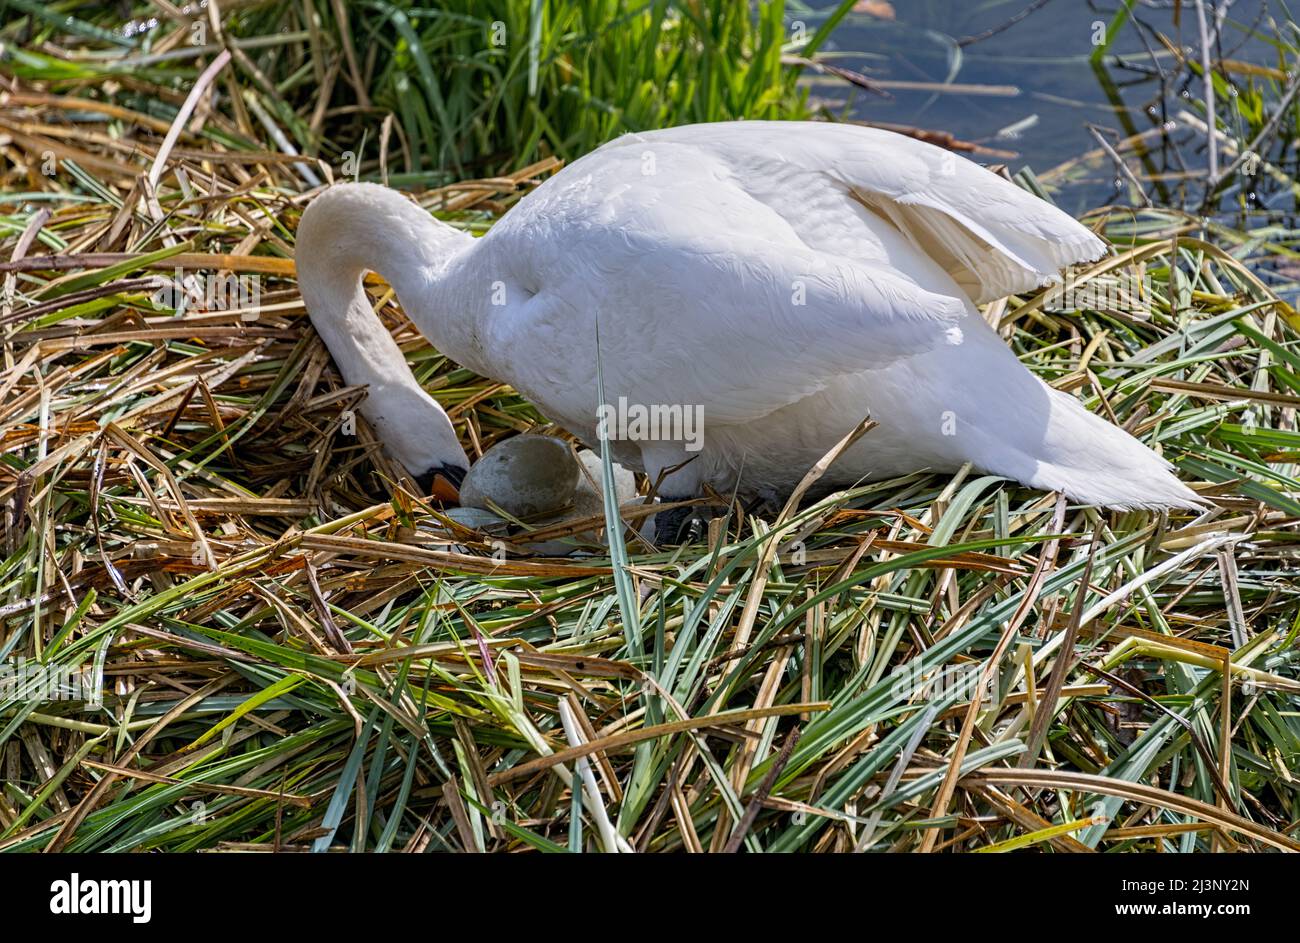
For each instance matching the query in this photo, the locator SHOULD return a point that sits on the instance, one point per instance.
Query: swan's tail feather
(1094, 462)
(1158, 491)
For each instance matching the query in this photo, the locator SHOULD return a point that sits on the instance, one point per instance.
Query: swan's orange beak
(442, 482)
(444, 489)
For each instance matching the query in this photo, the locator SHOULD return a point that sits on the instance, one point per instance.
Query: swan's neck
(355, 228)
(371, 228)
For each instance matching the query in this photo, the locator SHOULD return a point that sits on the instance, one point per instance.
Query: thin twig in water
(1256, 146)
(980, 37)
(1119, 162)
(1208, 76)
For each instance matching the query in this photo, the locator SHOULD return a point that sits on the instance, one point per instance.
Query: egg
(525, 476)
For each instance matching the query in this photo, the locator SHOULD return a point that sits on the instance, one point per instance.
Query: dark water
(1036, 91)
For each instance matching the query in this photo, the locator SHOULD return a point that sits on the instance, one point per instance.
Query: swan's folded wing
(723, 308)
(991, 236)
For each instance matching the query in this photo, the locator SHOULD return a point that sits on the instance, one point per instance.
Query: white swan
(789, 278)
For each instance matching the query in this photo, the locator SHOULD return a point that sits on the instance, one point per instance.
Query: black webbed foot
(682, 525)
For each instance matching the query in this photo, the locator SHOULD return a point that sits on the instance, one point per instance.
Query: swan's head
(428, 446)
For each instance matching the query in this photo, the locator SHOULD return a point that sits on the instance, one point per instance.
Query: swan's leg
(689, 524)
(678, 476)
(684, 525)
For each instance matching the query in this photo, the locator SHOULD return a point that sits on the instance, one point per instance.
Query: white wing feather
(992, 237)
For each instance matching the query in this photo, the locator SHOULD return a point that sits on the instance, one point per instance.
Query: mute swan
(786, 278)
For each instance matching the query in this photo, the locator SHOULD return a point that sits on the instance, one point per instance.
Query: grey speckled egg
(525, 475)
